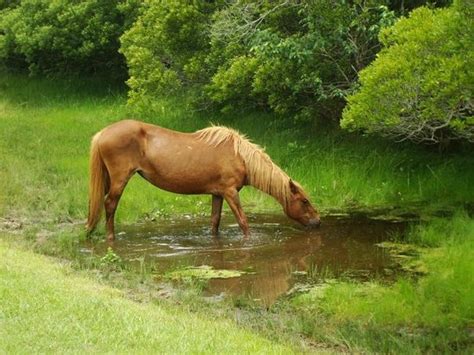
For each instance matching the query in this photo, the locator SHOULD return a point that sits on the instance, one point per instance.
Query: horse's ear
(293, 187)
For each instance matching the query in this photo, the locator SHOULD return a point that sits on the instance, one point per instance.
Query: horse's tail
(97, 184)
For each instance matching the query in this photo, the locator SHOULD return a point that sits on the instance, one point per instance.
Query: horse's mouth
(314, 223)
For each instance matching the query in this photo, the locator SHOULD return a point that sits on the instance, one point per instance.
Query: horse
(216, 160)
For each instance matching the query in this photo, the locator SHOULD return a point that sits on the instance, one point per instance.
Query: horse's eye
(305, 201)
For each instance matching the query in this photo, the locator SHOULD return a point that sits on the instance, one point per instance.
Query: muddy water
(277, 254)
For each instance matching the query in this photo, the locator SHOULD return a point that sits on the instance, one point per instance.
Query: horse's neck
(275, 184)
(262, 173)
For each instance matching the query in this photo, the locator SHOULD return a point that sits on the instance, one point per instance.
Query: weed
(111, 261)
(431, 313)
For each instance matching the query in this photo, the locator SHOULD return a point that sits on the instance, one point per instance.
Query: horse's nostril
(315, 222)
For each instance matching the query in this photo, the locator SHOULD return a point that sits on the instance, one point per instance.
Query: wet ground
(277, 255)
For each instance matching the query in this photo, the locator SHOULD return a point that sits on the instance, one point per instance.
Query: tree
(297, 58)
(165, 47)
(420, 87)
(64, 35)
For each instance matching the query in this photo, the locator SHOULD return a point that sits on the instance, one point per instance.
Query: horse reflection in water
(217, 160)
(273, 275)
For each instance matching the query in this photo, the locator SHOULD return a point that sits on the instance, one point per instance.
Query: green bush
(420, 87)
(306, 54)
(163, 48)
(229, 86)
(63, 35)
(296, 58)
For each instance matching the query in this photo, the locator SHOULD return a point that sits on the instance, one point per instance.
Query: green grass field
(47, 308)
(45, 129)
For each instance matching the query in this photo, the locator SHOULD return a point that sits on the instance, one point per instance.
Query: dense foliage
(421, 85)
(164, 48)
(297, 58)
(64, 35)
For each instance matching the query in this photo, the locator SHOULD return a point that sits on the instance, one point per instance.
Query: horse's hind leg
(216, 213)
(117, 185)
(233, 200)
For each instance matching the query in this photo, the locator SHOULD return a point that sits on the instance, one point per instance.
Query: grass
(47, 308)
(46, 126)
(434, 313)
(45, 130)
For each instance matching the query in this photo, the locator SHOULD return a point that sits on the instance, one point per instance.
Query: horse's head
(299, 207)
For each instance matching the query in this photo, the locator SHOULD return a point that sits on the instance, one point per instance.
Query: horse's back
(174, 161)
(121, 132)
(183, 163)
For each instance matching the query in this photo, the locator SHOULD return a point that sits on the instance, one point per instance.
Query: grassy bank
(45, 307)
(431, 313)
(46, 126)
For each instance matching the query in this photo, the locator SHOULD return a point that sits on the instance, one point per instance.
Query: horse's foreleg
(111, 203)
(233, 200)
(216, 213)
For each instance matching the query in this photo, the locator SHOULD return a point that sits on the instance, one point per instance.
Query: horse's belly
(186, 181)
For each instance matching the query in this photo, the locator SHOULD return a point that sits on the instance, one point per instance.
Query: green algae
(203, 272)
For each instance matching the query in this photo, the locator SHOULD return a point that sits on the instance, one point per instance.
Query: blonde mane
(262, 173)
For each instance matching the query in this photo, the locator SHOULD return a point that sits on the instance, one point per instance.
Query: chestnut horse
(215, 160)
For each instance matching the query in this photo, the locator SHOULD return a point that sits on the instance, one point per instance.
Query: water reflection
(275, 251)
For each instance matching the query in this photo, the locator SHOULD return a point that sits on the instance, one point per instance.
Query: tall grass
(342, 170)
(46, 126)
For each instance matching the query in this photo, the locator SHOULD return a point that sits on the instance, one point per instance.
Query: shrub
(297, 58)
(62, 35)
(163, 48)
(300, 57)
(420, 87)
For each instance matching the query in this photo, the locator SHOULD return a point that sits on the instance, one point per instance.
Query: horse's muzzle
(315, 222)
